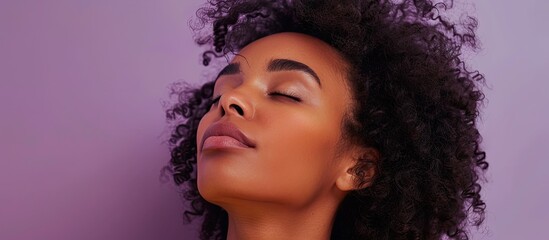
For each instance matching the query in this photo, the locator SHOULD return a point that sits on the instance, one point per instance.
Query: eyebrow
(275, 65)
(232, 68)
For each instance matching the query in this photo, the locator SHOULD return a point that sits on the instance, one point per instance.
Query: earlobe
(358, 172)
(346, 181)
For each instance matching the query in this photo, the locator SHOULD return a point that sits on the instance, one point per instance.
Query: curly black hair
(416, 103)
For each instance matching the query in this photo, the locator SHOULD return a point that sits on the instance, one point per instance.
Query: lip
(225, 135)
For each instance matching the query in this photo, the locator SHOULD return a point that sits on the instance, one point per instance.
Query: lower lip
(219, 142)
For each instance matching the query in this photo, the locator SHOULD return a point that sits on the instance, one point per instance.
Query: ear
(348, 179)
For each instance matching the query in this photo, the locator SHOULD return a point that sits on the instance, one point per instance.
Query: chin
(219, 191)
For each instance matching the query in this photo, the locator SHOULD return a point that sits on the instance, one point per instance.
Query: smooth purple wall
(515, 61)
(82, 123)
(82, 85)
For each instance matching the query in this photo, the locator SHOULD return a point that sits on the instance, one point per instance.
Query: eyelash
(275, 93)
(291, 96)
(216, 99)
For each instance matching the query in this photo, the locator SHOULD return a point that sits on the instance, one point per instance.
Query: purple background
(82, 129)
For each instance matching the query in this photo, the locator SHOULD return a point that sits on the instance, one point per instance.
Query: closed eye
(286, 95)
(216, 100)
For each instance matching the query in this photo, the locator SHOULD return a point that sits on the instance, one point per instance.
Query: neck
(266, 223)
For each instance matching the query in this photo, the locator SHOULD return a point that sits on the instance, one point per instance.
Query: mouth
(225, 135)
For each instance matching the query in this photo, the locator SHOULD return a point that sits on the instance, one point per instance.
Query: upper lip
(227, 129)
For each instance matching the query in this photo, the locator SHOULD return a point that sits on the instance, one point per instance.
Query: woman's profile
(332, 119)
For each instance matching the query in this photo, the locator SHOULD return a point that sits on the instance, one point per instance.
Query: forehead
(321, 57)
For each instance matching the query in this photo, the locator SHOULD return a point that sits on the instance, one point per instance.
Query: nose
(237, 104)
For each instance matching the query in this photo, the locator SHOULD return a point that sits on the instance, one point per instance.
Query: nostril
(238, 109)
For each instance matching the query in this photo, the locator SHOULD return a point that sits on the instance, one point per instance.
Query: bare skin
(287, 181)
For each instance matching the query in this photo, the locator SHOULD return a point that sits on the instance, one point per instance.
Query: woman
(333, 120)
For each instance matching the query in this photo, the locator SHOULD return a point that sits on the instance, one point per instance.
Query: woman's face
(274, 134)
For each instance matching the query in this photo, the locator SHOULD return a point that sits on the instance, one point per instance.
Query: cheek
(301, 152)
(304, 134)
